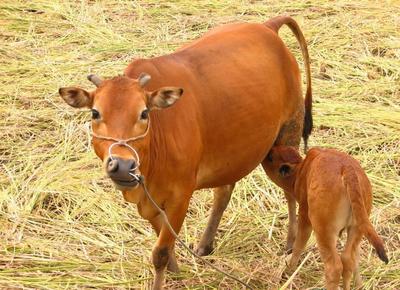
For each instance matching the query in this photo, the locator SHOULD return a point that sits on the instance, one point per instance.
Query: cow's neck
(149, 162)
(156, 156)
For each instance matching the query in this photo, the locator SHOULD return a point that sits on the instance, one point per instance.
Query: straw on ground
(63, 225)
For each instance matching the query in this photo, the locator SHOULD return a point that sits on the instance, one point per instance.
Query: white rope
(107, 138)
(172, 231)
(140, 179)
(124, 143)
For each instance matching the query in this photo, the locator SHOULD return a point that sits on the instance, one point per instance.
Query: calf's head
(121, 110)
(282, 164)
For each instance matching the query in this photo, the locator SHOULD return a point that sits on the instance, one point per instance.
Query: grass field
(63, 225)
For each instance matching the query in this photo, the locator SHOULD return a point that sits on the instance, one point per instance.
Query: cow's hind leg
(289, 135)
(222, 195)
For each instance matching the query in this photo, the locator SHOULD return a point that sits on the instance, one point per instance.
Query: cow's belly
(230, 162)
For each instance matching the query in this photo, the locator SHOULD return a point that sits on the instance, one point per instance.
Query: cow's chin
(125, 185)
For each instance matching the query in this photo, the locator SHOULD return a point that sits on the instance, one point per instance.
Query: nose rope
(172, 231)
(140, 179)
(124, 143)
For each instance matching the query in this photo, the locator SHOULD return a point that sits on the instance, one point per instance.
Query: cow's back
(240, 85)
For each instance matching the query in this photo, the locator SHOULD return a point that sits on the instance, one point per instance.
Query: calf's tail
(360, 215)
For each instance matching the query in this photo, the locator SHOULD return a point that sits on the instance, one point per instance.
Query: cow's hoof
(204, 251)
(173, 267)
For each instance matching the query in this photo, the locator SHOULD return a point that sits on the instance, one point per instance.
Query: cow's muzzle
(122, 172)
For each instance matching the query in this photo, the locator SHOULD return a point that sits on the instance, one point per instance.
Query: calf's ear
(164, 97)
(291, 155)
(76, 97)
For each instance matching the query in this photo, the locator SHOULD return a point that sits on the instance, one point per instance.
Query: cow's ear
(164, 97)
(76, 97)
(286, 170)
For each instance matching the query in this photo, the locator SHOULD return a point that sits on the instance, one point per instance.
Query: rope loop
(124, 143)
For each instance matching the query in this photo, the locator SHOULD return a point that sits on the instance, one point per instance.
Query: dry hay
(63, 225)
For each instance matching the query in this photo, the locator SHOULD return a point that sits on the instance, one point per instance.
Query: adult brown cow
(242, 94)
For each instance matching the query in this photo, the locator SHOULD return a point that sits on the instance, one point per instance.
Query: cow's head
(282, 163)
(121, 109)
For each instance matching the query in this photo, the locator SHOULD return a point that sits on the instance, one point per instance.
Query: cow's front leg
(165, 244)
(222, 195)
(172, 266)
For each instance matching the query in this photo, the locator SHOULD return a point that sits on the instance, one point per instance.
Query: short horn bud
(95, 80)
(143, 79)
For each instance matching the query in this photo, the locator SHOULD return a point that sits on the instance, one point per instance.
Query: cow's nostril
(112, 165)
(133, 166)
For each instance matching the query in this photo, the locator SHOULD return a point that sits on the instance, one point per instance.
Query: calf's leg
(291, 202)
(222, 195)
(350, 258)
(292, 227)
(289, 135)
(326, 242)
(356, 273)
(303, 234)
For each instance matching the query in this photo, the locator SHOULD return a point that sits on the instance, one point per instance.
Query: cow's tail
(276, 23)
(350, 181)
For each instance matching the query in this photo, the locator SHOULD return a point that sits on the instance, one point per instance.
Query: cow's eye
(144, 115)
(95, 114)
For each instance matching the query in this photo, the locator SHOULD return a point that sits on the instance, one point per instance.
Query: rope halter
(124, 143)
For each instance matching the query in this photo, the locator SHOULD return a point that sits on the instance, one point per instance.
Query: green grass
(63, 225)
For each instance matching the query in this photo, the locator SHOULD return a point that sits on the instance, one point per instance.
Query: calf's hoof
(289, 245)
(289, 269)
(288, 250)
(285, 252)
(288, 272)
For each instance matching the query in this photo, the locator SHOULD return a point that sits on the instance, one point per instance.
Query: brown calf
(209, 115)
(334, 194)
